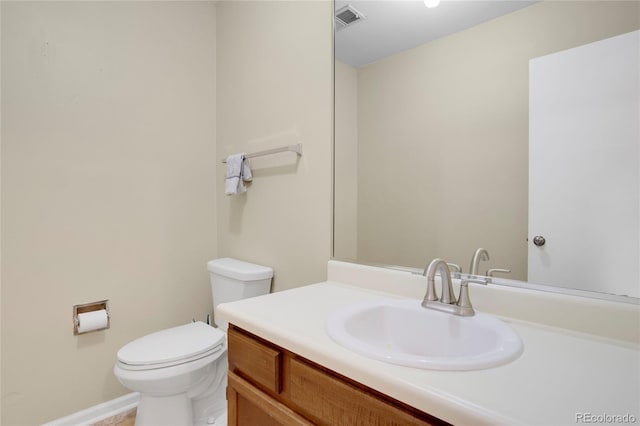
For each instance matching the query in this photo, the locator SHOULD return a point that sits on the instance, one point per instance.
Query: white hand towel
(238, 172)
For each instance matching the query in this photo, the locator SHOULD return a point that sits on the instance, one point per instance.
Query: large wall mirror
(486, 124)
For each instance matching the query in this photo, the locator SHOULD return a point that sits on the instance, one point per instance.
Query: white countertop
(561, 373)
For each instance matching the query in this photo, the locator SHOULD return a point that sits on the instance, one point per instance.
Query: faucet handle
(464, 302)
(490, 272)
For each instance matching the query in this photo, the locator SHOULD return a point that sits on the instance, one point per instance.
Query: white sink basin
(403, 332)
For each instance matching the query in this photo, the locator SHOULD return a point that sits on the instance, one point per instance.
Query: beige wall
(443, 144)
(0, 215)
(274, 88)
(108, 188)
(345, 228)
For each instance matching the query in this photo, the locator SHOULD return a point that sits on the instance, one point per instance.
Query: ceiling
(392, 26)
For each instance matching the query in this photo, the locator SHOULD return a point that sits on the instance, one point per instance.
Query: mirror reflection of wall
(432, 143)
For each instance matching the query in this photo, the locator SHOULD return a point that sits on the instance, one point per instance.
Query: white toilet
(181, 372)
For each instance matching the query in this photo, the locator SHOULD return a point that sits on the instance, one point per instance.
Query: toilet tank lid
(239, 270)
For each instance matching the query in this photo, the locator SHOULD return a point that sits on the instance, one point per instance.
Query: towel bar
(297, 148)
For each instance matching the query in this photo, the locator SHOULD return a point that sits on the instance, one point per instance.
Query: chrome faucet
(447, 288)
(448, 302)
(480, 254)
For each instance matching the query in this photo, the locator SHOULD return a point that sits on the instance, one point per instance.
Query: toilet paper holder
(102, 305)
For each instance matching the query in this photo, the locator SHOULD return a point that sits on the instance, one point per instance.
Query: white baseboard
(99, 412)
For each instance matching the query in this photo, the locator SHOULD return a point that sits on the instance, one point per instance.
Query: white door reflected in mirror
(584, 157)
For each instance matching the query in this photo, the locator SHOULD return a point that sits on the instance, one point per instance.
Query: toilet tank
(233, 279)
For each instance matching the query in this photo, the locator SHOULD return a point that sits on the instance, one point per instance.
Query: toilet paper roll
(94, 320)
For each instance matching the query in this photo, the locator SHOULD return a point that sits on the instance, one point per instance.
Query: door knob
(539, 240)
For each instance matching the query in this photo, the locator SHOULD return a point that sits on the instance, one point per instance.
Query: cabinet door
(249, 406)
(328, 400)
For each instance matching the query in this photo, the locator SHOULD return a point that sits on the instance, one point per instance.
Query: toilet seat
(170, 347)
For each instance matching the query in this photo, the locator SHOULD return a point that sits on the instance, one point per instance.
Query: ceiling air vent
(347, 16)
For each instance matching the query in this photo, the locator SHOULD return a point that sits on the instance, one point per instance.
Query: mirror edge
(510, 283)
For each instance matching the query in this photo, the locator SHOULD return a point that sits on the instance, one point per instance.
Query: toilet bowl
(181, 372)
(172, 367)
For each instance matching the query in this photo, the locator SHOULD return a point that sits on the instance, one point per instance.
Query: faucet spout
(480, 255)
(438, 265)
(447, 303)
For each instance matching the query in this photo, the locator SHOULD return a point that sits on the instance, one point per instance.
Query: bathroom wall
(108, 188)
(0, 215)
(462, 97)
(275, 88)
(346, 162)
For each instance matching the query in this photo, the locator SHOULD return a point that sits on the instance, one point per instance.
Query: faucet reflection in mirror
(479, 255)
(447, 303)
(483, 255)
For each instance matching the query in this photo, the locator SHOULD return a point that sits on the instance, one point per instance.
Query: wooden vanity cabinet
(269, 385)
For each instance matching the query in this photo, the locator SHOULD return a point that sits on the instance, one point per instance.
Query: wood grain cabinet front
(253, 358)
(269, 385)
(247, 405)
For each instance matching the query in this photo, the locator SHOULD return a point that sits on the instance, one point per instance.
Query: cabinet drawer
(328, 400)
(255, 360)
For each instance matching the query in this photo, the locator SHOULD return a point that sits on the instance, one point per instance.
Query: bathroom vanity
(269, 385)
(581, 357)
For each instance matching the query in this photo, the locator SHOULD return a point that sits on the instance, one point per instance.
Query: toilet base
(175, 410)
(204, 403)
(164, 410)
